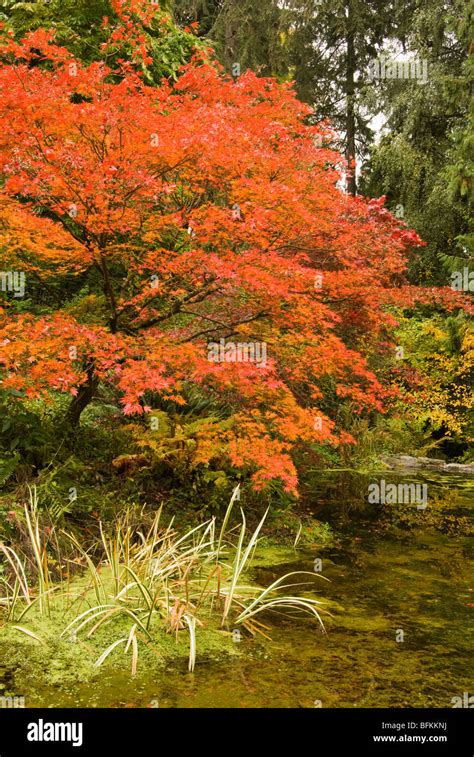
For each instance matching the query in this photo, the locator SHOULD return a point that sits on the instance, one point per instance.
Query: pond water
(399, 634)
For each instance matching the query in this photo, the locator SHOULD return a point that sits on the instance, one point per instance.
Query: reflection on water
(399, 631)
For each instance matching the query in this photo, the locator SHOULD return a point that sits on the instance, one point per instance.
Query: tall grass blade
(29, 633)
(110, 649)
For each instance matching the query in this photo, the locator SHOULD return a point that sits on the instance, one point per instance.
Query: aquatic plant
(159, 579)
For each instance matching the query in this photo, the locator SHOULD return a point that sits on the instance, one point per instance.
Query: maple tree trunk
(350, 113)
(110, 295)
(83, 398)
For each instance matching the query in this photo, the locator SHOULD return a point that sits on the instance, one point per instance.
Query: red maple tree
(193, 212)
